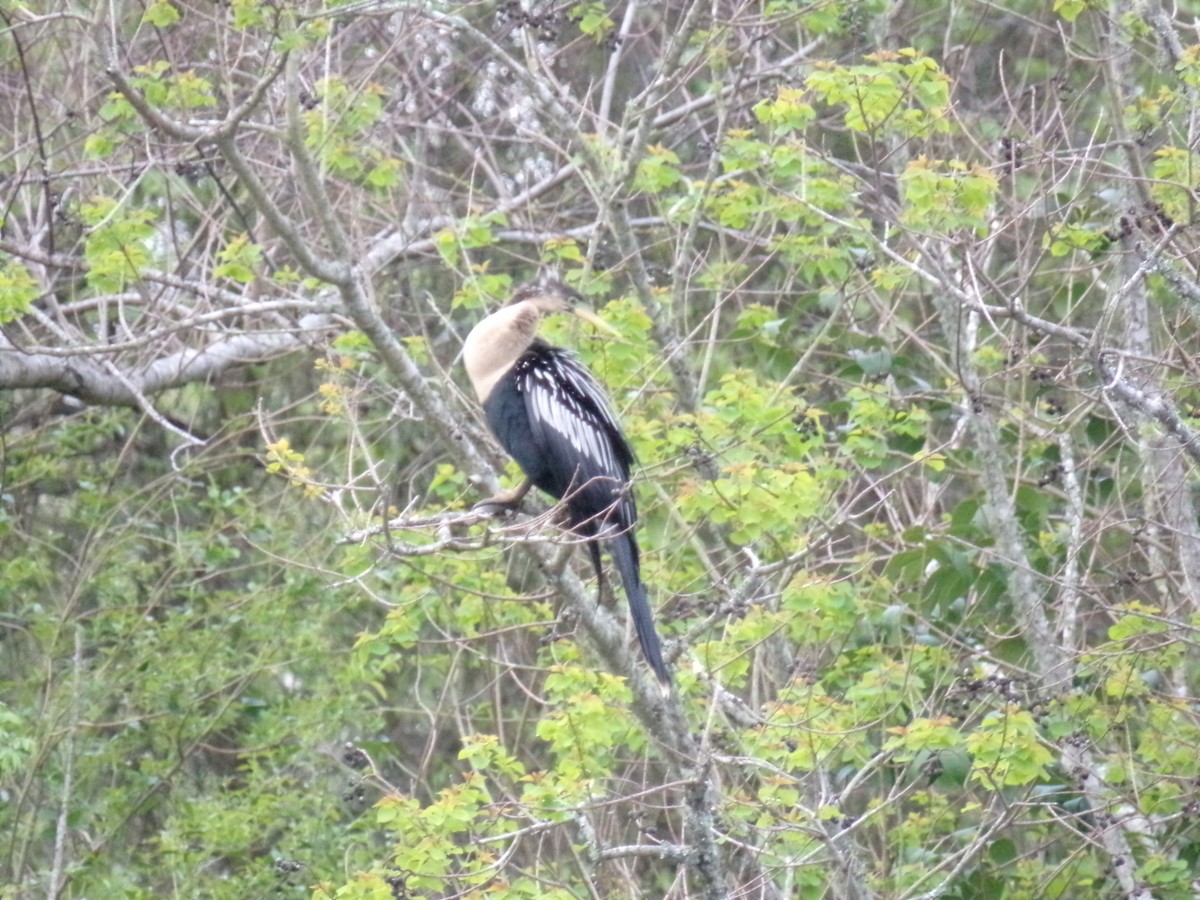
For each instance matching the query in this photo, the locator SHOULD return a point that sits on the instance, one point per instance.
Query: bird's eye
(572, 296)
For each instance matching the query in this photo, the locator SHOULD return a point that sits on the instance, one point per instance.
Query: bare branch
(94, 383)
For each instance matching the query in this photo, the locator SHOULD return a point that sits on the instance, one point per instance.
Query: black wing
(582, 455)
(586, 457)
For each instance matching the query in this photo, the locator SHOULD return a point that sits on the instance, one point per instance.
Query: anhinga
(552, 417)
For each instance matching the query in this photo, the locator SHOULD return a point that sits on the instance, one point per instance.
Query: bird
(550, 415)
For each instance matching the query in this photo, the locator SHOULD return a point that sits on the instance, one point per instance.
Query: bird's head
(549, 296)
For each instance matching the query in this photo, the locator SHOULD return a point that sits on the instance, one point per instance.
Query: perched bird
(552, 417)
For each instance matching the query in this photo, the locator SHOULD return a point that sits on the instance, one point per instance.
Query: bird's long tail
(624, 551)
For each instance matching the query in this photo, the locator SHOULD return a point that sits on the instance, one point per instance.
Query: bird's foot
(504, 503)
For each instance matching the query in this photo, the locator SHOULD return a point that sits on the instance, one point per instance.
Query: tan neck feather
(496, 343)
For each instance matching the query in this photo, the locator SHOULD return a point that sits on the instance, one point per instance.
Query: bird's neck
(496, 343)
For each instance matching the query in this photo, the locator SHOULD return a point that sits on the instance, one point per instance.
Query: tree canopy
(908, 307)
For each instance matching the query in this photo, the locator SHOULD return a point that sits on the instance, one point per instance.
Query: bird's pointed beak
(592, 319)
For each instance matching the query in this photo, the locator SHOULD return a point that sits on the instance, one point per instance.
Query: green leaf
(1070, 9)
(161, 14)
(99, 145)
(117, 245)
(657, 171)
(923, 735)
(239, 260)
(384, 174)
(788, 112)
(948, 195)
(247, 14)
(16, 742)
(18, 291)
(900, 91)
(1140, 620)
(593, 20)
(1006, 750)
(190, 91)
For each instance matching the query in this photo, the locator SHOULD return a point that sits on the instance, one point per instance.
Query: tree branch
(92, 382)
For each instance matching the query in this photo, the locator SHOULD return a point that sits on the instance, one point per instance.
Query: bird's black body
(551, 416)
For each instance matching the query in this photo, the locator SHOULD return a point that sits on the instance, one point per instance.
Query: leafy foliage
(907, 357)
